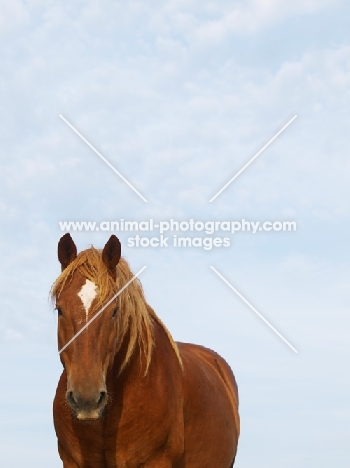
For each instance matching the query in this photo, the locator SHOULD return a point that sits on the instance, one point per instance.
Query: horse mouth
(88, 415)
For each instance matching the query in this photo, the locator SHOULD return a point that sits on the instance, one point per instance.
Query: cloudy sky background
(179, 95)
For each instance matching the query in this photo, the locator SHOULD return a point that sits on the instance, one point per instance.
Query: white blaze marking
(87, 294)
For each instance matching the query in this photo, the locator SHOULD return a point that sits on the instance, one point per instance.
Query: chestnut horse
(129, 396)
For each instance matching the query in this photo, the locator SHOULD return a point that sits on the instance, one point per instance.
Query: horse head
(79, 297)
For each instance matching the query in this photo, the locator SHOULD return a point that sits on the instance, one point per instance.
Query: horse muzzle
(87, 405)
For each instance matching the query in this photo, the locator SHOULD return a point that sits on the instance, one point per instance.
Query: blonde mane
(134, 317)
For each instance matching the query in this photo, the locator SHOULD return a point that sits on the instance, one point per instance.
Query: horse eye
(59, 311)
(115, 312)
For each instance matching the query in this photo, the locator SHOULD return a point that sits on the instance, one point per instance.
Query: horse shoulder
(151, 417)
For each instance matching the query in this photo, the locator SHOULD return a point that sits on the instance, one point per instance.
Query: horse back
(211, 420)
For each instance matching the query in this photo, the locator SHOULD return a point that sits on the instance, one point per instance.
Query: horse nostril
(71, 399)
(102, 398)
(82, 402)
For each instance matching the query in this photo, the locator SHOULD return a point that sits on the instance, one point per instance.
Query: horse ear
(111, 254)
(67, 250)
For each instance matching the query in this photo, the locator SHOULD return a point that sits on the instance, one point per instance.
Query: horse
(129, 396)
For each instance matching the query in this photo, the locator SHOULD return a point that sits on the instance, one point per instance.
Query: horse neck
(135, 368)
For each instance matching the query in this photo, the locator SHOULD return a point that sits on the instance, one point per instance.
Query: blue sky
(179, 96)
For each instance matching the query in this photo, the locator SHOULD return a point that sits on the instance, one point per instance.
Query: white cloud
(252, 16)
(13, 16)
